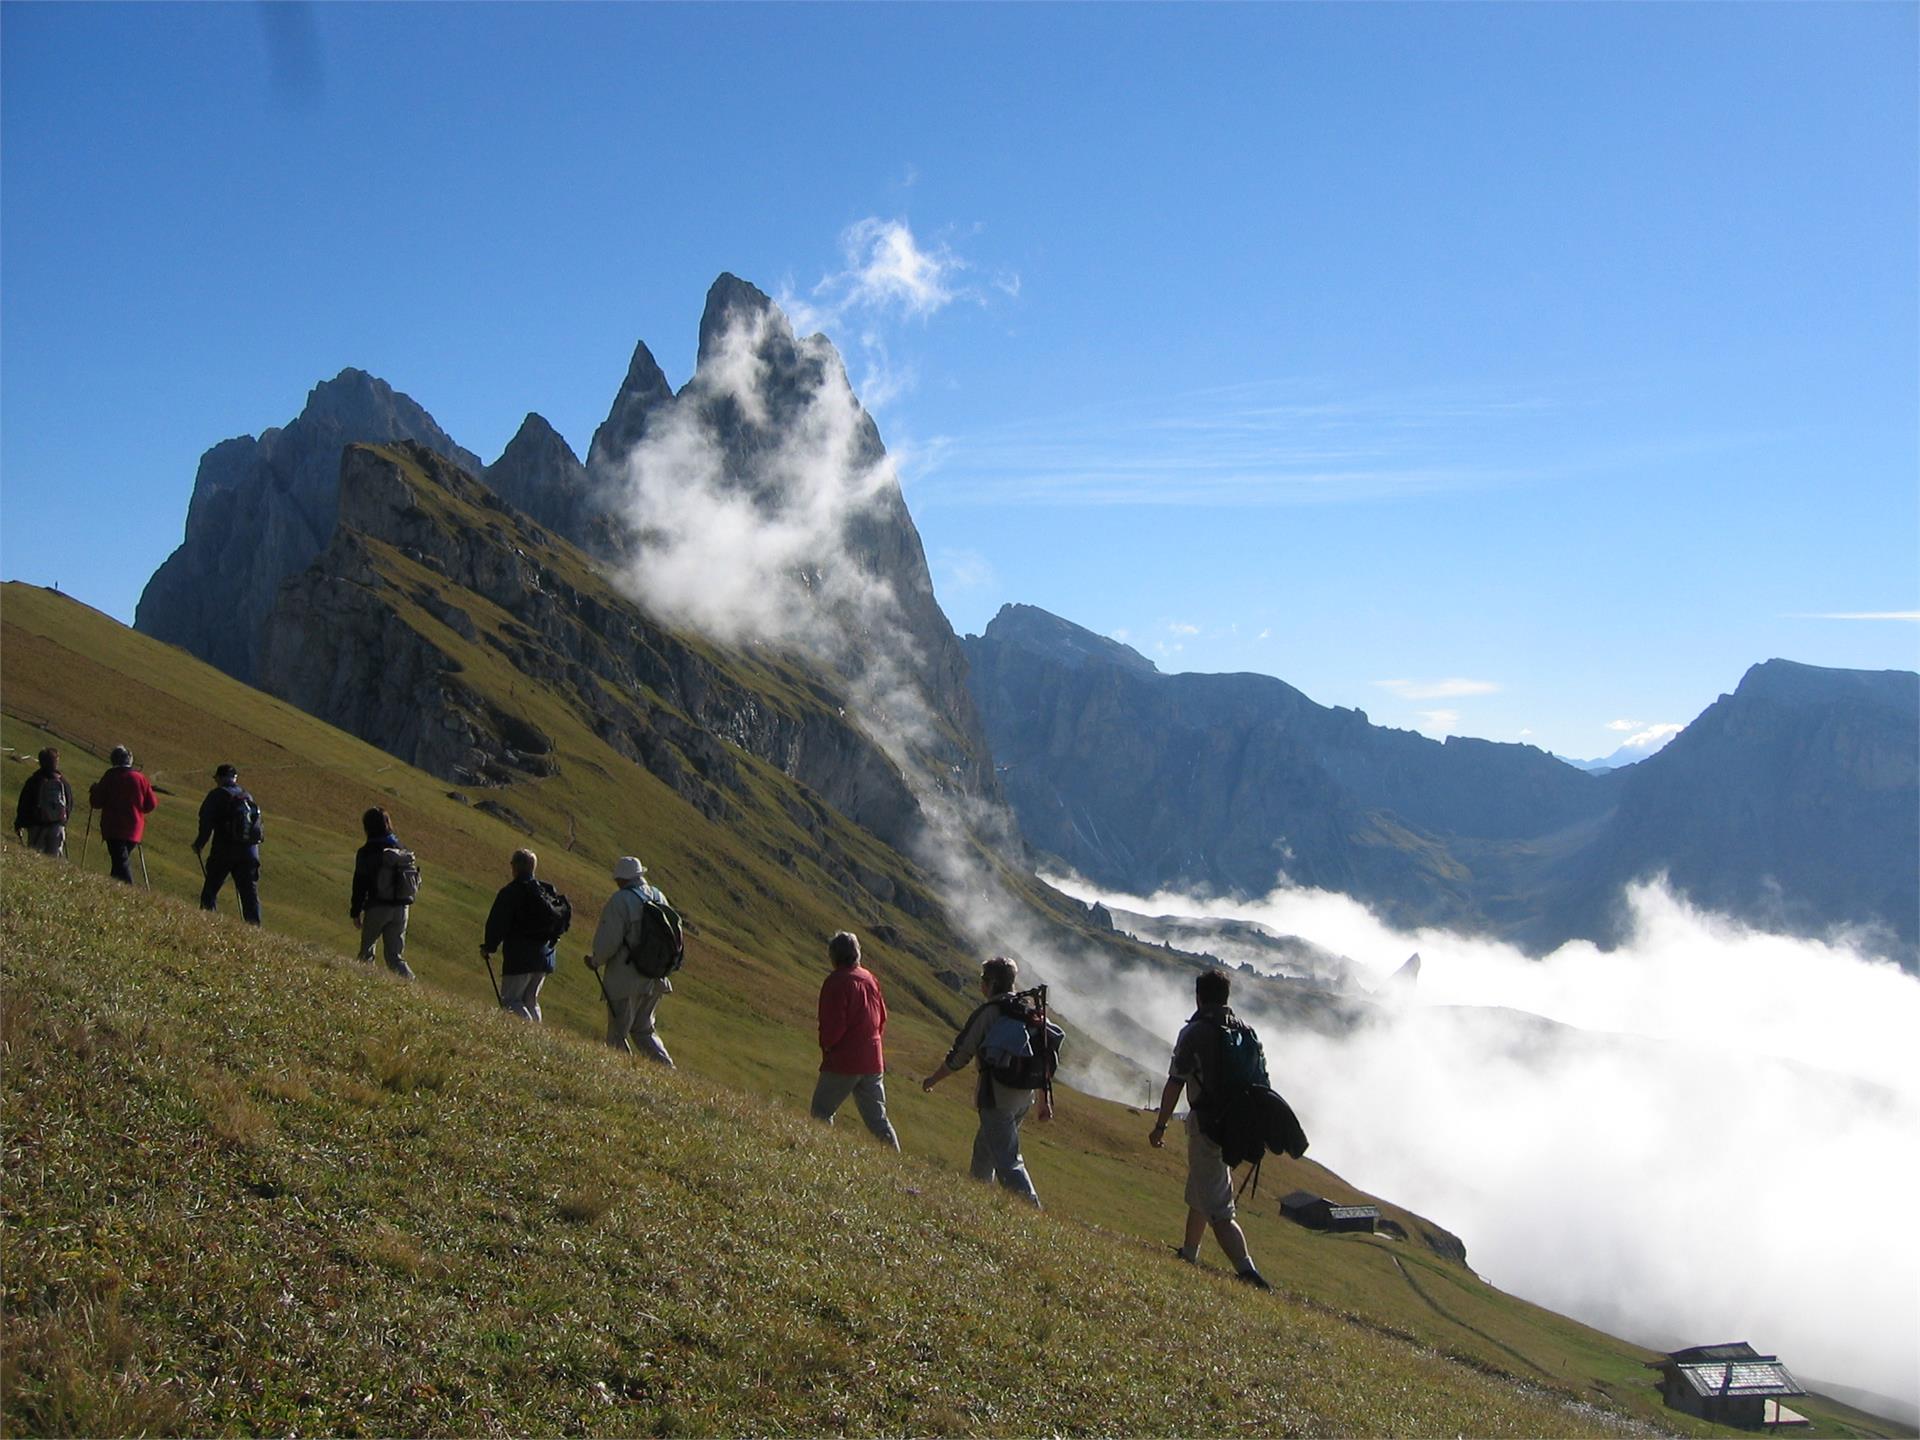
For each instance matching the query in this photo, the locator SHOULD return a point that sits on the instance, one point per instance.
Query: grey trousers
(521, 994)
(48, 839)
(996, 1148)
(869, 1094)
(634, 1016)
(388, 925)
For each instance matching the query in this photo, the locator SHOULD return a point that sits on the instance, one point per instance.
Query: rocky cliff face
(355, 638)
(1140, 781)
(263, 508)
(1791, 803)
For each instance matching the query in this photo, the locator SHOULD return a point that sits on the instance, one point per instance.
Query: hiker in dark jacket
(996, 1146)
(124, 798)
(385, 881)
(853, 1021)
(520, 926)
(46, 800)
(230, 819)
(1209, 1182)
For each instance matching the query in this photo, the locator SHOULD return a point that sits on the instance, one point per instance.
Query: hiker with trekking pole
(46, 800)
(527, 920)
(231, 820)
(636, 947)
(124, 797)
(386, 882)
(1016, 1050)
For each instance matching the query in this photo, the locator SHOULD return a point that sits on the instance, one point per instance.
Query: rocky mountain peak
(1791, 683)
(1048, 636)
(730, 300)
(643, 391)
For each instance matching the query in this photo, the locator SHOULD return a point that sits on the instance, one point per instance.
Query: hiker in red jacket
(124, 799)
(853, 1017)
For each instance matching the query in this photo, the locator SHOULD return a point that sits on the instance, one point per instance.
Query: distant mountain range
(1791, 803)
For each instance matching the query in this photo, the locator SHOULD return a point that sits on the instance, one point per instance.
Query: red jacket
(853, 1017)
(124, 799)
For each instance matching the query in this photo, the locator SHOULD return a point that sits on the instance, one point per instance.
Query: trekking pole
(143, 866)
(86, 837)
(626, 1041)
(497, 998)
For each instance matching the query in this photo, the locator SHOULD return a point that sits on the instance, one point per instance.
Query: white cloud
(1651, 738)
(1264, 634)
(967, 569)
(1524, 732)
(1439, 721)
(1122, 635)
(1701, 1048)
(1908, 615)
(1177, 628)
(1625, 724)
(1451, 689)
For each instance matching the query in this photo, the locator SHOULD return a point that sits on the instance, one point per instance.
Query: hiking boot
(402, 969)
(1255, 1279)
(1183, 1257)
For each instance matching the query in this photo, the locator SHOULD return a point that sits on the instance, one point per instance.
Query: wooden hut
(1316, 1212)
(1731, 1384)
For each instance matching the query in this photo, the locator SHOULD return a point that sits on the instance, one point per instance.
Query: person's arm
(29, 802)
(148, 802)
(610, 935)
(497, 921)
(208, 819)
(362, 883)
(1169, 1097)
(965, 1045)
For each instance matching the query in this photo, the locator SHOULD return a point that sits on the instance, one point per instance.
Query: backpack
(655, 947)
(1022, 1047)
(554, 916)
(51, 803)
(1243, 1114)
(396, 877)
(241, 824)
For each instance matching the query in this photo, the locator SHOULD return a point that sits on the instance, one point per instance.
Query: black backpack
(1022, 1047)
(396, 877)
(657, 950)
(1243, 1114)
(241, 824)
(553, 915)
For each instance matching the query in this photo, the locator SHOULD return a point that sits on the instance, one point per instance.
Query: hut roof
(1695, 1354)
(1356, 1212)
(1745, 1379)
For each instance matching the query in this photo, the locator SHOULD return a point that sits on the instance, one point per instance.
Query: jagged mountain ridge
(1791, 803)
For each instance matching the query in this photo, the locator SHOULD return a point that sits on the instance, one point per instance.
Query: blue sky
(1502, 370)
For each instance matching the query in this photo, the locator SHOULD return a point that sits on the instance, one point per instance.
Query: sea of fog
(1724, 1147)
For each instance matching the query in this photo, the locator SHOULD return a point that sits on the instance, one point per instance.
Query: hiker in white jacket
(632, 997)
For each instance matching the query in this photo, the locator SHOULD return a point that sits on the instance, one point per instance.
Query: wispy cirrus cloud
(1439, 722)
(1450, 689)
(1259, 444)
(1910, 616)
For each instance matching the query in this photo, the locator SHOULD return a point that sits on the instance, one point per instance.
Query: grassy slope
(250, 1186)
(742, 1013)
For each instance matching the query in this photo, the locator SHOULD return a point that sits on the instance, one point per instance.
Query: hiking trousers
(245, 871)
(996, 1148)
(120, 859)
(633, 1015)
(48, 839)
(386, 924)
(869, 1094)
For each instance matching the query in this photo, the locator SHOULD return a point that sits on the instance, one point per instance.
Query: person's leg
(620, 1020)
(48, 839)
(119, 854)
(216, 876)
(513, 990)
(982, 1166)
(246, 884)
(644, 1034)
(1233, 1240)
(393, 942)
(829, 1093)
(1209, 1188)
(870, 1094)
(531, 1000)
(1196, 1232)
(370, 927)
(1001, 1125)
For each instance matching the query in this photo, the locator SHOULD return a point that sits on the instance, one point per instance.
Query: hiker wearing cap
(527, 919)
(230, 819)
(853, 1018)
(386, 881)
(1196, 1063)
(996, 1146)
(636, 946)
(46, 800)
(124, 797)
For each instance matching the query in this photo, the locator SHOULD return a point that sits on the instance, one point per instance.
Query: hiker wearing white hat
(636, 946)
